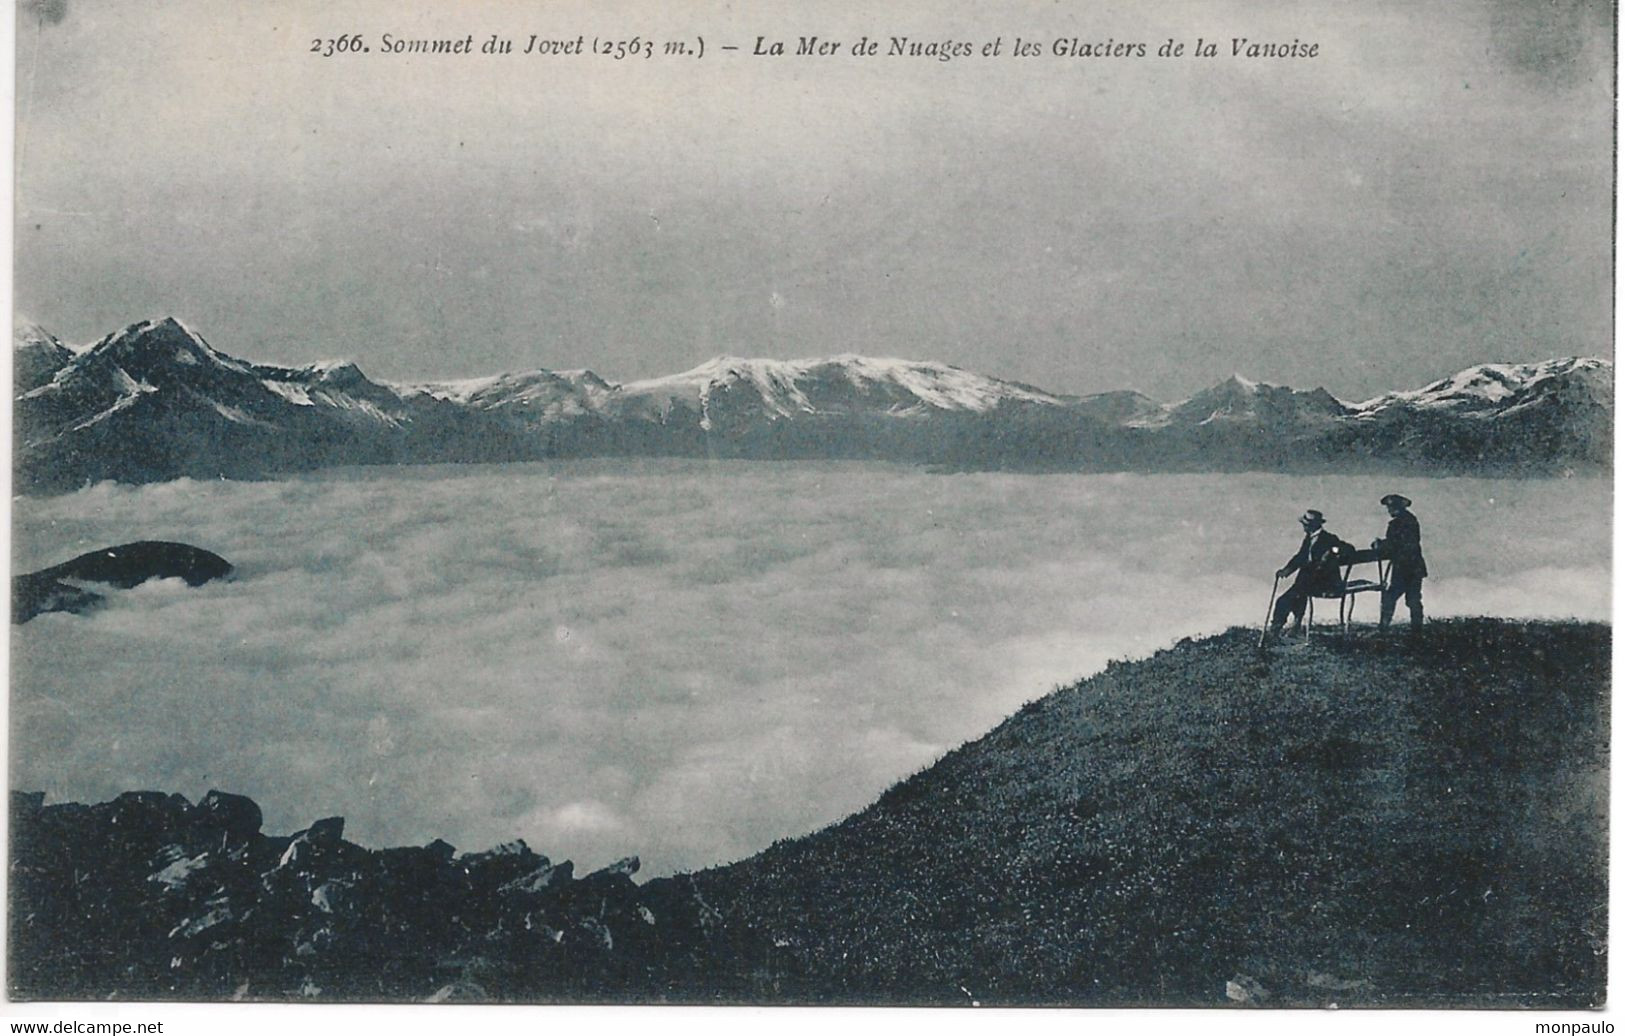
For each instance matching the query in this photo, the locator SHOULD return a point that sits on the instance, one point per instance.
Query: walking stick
(1268, 608)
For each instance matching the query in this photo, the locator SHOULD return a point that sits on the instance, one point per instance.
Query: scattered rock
(1244, 989)
(1323, 980)
(153, 897)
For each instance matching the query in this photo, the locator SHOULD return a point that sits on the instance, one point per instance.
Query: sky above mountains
(1432, 190)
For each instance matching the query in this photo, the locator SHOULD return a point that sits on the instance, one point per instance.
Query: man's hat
(1395, 498)
(1313, 517)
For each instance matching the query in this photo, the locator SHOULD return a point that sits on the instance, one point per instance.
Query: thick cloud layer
(678, 659)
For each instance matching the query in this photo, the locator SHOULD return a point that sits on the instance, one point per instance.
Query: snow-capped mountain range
(156, 401)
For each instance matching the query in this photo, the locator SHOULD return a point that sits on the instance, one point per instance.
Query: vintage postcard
(1080, 505)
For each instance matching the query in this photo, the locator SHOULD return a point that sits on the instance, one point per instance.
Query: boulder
(237, 815)
(330, 897)
(614, 879)
(501, 865)
(318, 852)
(442, 850)
(1244, 989)
(627, 865)
(543, 879)
(411, 860)
(180, 873)
(326, 832)
(149, 812)
(162, 898)
(323, 834)
(217, 912)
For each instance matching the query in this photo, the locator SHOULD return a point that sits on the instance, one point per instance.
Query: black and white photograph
(1076, 505)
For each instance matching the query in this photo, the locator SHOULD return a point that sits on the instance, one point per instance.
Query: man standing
(1316, 565)
(1403, 547)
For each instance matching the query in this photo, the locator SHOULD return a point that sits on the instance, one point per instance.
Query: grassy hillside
(1376, 821)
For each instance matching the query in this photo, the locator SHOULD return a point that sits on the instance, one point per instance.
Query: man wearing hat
(1316, 565)
(1402, 546)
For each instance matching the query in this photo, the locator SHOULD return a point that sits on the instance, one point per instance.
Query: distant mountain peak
(154, 400)
(162, 342)
(586, 378)
(328, 366)
(36, 355)
(160, 330)
(1490, 386)
(336, 373)
(733, 391)
(26, 332)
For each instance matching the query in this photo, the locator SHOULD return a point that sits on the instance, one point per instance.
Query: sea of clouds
(679, 659)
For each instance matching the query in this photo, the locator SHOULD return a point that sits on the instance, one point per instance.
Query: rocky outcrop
(127, 565)
(150, 896)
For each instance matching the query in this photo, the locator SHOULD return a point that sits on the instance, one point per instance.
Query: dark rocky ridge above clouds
(56, 589)
(155, 401)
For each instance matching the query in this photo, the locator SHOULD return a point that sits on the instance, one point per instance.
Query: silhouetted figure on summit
(1316, 563)
(1403, 547)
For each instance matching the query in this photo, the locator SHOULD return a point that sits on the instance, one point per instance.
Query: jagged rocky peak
(26, 334)
(585, 379)
(1241, 400)
(515, 388)
(161, 344)
(36, 355)
(334, 372)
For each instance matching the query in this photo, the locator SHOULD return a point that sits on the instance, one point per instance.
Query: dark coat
(1317, 564)
(1403, 546)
